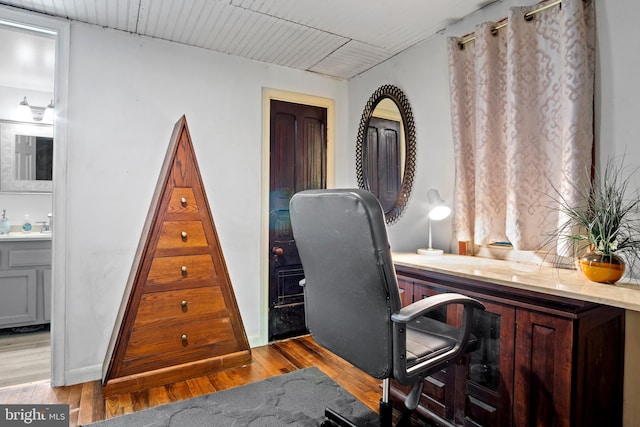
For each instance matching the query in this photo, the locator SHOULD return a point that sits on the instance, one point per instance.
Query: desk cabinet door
(485, 385)
(543, 376)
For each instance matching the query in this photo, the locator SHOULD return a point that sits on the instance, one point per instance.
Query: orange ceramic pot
(601, 268)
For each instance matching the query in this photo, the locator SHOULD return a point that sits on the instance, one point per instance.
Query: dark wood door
(297, 162)
(543, 376)
(383, 161)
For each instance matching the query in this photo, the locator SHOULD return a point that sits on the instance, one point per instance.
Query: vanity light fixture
(39, 114)
(48, 114)
(437, 210)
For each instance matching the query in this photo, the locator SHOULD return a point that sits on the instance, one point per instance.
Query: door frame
(269, 94)
(60, 29)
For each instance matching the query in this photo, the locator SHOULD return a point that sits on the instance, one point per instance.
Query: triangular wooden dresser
(179, 318)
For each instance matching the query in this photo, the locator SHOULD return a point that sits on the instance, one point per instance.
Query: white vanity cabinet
(25, 279)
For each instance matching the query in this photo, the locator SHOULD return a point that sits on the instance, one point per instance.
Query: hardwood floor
(87, 404)
(25, 357)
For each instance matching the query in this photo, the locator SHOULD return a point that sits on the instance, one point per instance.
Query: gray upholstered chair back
(351, 288)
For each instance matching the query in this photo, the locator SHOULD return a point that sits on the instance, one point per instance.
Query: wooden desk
(551, 351)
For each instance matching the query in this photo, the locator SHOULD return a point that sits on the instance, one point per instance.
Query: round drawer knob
(183, 268)
(183, 234)
(183, 337)
(183, 304)
(183, 201)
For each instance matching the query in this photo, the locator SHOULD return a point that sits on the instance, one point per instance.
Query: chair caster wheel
(327, 423)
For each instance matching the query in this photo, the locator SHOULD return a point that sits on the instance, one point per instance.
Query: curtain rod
(503, 23)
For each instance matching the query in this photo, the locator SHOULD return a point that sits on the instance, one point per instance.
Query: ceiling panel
(387, 24)
(351, 59)
(334, 37)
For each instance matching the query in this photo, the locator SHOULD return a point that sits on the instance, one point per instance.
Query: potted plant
(604, 230)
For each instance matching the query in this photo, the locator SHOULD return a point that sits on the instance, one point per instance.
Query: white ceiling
(28, 60)
(339, 38)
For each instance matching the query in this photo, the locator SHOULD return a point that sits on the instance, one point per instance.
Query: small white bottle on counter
(5, 227)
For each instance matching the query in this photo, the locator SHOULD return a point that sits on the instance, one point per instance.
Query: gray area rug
(294, 399)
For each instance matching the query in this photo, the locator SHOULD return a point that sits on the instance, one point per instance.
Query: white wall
(617, 83)
(17, 205)
(125, 94)
(422, 72)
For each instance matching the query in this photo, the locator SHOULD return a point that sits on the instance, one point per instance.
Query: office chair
(352, 301)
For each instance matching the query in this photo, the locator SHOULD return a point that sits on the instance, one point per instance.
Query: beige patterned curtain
(522, 115)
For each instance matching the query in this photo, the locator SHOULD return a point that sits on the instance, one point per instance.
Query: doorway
(27, 133)
(54, 91)
(298, 147)
(282, 304)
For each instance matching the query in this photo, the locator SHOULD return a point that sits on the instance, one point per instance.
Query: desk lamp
(437, 210)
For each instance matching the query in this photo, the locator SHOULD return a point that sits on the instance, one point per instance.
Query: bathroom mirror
(26, 157)
(386, 150)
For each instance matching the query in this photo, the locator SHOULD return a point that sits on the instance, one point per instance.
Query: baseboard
(82, 375)
(257, 341)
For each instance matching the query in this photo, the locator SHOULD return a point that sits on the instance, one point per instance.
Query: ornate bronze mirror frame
(386, 157)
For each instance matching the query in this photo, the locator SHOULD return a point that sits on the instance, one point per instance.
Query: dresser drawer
(182, 201)
(175, 269)
(182, 234)
(159, 309)
(172, 345)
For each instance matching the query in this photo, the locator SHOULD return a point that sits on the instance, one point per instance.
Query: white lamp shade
(48, 113)
(438, 209)
(439, 212)
(24, 111)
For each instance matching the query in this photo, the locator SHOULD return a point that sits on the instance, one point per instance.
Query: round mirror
(386, 150)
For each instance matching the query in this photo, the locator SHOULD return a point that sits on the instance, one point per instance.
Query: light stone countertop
(20, 236)
(548, 280)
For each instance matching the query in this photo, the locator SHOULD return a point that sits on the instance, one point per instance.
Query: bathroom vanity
(550, 348)
(25, 279)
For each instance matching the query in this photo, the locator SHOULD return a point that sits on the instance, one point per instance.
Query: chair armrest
(423, 306)
(408, 375)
